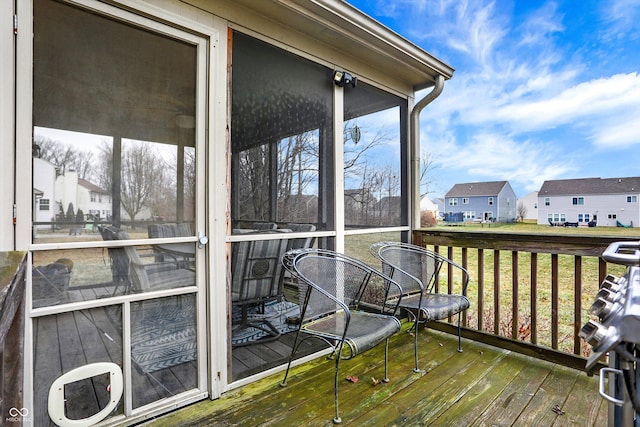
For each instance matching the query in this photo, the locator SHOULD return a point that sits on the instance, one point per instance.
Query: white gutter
(414, 141)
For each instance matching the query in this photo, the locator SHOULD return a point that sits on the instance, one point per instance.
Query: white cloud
(621, 17)
(533, 97)
(492, 156)
(586, 104)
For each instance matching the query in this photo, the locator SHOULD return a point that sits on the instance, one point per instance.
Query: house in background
(481, 201)
(83, 195)
(528, 207)
(439, 201)
(603, 201)
(45, 207)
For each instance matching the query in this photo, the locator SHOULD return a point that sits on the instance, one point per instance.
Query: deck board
(506, 408)
(553, 391)
(482, 386)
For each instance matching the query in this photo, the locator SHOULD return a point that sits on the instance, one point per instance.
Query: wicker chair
(416, 269)
(344, 305)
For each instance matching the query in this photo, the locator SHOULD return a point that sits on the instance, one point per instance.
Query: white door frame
(210, 132)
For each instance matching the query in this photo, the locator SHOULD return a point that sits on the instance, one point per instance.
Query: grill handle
(623, 253)
(601, 389)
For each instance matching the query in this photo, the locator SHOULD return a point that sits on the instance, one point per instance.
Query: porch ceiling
(342, 29)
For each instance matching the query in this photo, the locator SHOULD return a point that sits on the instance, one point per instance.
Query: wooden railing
(530, 293)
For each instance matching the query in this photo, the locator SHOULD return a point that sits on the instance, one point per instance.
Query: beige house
(231, 129)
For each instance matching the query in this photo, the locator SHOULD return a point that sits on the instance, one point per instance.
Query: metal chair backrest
(333, 282)
(415, 268)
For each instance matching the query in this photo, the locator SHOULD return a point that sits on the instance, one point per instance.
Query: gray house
(481, 201)
(589, 201)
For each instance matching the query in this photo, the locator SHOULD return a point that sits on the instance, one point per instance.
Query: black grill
(616, 333)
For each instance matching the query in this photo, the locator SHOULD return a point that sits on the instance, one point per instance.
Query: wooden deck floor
(482, 386)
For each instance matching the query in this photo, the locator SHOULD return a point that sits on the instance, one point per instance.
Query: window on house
(453, 201)
(469, 215)
(612, 216)
(578, 201)
(93, 196)
(547, 201)
(632, 199)
(465, 200)
(584, 217)
(490, 201)
(44, 204)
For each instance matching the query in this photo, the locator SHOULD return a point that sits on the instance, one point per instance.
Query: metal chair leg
(386, 360)
(337, 419)
(415, 344)
(459, 334)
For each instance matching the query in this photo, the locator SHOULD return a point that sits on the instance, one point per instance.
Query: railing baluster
(436, 249)
(514, 294)
(534, 298)
(465, 265)
(602, 270)
(554, 301)
(480, 289)
(496, 292)
(577, 309)
(450, 274)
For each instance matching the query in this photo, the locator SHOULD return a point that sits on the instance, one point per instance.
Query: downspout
(414, 138)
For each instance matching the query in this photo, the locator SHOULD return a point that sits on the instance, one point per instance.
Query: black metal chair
(416, 270)
(344, 304)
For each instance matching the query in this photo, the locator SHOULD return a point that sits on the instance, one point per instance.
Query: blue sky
(542, 90)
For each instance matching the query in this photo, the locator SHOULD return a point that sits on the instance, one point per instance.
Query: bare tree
(143, 171)
(356, 151)
(253, 172)
(298, 169)
(85, 166)
(66, 157)
(104, 169)
(428, 164)
(56, 153)
(522, 211)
